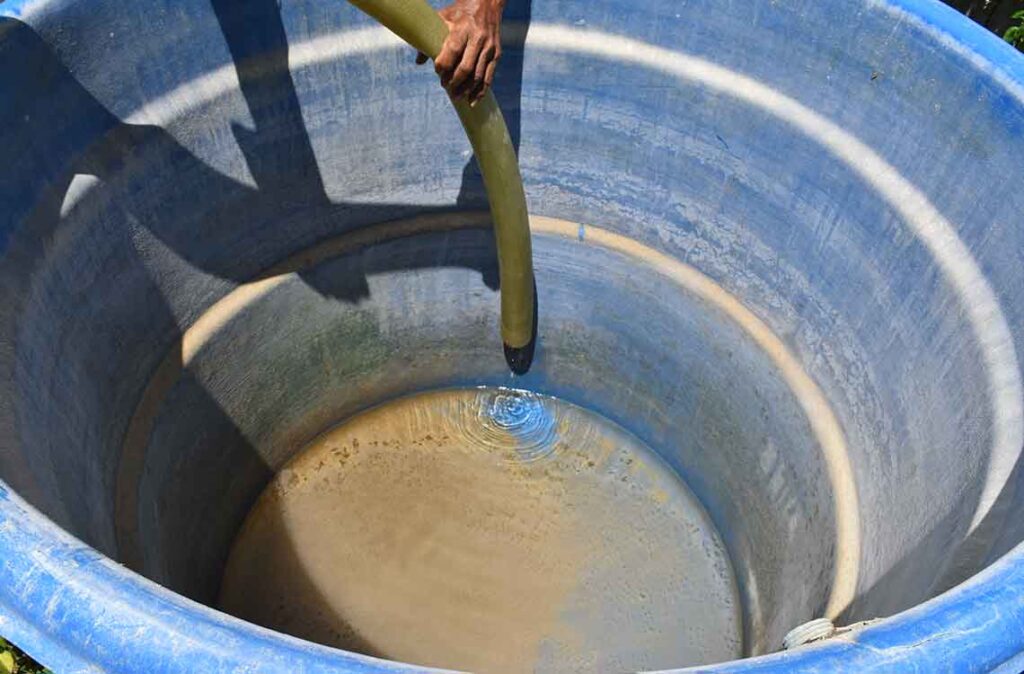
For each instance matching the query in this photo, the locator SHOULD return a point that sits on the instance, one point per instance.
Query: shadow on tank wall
(81, 137)
(61, 131)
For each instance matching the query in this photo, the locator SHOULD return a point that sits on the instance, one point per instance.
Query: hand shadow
(57, 130)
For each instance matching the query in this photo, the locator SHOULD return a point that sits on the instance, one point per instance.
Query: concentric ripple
(520, 423)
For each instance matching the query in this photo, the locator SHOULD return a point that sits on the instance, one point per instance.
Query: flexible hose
(417, 23)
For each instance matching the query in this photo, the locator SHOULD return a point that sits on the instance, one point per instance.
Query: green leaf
(7, 663)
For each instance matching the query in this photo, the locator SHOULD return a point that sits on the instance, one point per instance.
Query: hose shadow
(132, 183)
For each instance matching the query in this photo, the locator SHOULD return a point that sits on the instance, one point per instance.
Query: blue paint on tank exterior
(693, 172)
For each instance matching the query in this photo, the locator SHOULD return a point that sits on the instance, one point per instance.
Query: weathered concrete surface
(846, 186)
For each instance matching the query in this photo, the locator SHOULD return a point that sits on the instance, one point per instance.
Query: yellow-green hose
(418, 24)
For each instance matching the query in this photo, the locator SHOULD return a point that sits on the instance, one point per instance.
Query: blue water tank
(779, 242)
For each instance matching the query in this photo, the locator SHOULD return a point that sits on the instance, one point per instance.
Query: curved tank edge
(978, 625)
(147, 628)
(984, 50)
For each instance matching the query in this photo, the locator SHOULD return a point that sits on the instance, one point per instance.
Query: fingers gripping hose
(418, 24)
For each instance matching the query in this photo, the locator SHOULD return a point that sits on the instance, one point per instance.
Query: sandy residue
(394, 535)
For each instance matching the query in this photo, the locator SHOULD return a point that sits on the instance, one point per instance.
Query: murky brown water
(487, 530)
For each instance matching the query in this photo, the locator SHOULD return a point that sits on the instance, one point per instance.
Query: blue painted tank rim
(89, 599)
(86, 597)
(970, 40)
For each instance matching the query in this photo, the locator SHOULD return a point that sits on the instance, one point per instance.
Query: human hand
(471, 51)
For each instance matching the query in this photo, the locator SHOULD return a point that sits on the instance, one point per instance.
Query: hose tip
(520, 358)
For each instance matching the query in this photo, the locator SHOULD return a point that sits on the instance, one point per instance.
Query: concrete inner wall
(820, 172)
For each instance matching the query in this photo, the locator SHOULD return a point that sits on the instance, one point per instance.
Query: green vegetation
(13, 661)
(1015, 33)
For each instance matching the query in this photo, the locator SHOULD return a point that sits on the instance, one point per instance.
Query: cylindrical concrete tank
(778, 242)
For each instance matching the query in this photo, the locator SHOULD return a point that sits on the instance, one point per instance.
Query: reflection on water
(519, 424)
(492, 530)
